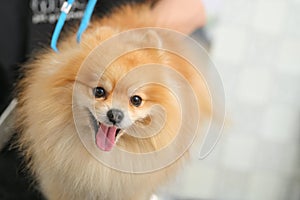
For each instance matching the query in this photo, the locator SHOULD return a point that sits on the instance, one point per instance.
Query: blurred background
(256, 48)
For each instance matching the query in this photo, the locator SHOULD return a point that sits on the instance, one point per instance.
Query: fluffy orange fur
(62, 166)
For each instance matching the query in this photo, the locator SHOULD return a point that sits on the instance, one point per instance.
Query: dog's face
(121, 104)
(118, 100)
(131, 102)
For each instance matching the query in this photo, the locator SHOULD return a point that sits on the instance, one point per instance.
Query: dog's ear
(152, 39)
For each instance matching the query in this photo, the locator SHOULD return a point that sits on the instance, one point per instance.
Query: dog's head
(132, 99)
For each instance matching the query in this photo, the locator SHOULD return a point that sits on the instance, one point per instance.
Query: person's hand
(181, 15)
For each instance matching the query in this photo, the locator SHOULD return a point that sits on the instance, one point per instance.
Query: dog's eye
(99, 92)
(136, 100)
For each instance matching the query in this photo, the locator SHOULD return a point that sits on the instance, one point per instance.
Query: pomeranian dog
(81, 113)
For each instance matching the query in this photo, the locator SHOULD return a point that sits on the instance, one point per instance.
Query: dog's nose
(115, 115)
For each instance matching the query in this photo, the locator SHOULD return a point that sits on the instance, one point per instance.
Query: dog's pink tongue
(105, 137)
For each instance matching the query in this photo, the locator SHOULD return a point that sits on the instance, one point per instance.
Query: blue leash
(65, 9)
(86, 18)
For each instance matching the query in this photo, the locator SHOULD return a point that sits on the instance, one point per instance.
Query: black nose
(115, 115)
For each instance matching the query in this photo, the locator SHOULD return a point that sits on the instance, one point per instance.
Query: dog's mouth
(105, 135)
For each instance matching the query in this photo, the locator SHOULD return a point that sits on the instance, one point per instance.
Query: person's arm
(181, 15)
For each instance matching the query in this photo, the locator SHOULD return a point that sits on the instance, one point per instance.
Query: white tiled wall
(269, 16)
(256, 47)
